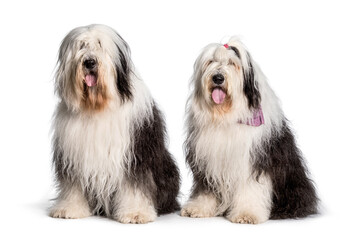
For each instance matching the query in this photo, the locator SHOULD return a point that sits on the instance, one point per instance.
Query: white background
(306, 48)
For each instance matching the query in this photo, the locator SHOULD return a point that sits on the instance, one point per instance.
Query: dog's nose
(90, 63)
(218, 79)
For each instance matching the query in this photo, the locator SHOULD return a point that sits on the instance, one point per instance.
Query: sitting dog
(109, 149)
(242, 153)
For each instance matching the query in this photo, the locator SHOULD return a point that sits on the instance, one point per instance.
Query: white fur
(96, 146)
(204, 205)
(71, 203)
(222, 145)
(100, 163)
(133, 206)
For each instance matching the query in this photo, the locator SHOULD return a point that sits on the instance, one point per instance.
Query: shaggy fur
(109, 149)
(248, 173)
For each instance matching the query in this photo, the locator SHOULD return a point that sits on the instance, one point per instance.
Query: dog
(109, 151)
(242, 153)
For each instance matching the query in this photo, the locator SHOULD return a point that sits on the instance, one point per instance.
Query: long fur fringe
(253, 172)
(112, 157)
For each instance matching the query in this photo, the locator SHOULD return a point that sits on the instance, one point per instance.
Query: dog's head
(224, 78)
(93, 68)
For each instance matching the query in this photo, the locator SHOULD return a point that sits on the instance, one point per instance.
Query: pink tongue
(90, 80)
(218, 95)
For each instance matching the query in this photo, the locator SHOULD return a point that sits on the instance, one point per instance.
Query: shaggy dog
(242, 153)
(109, 149)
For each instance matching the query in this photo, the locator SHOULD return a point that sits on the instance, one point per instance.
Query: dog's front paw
(136, 217)
(202, 206)
(195, 211)
(243, 219)
(246, 218)
(70, 212)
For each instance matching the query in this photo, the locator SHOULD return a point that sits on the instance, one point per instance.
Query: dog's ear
(236, 51)
(250, 87)
(64, 66)
(123, 70)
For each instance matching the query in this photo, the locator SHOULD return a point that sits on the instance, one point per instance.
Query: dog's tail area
(294, 193)
(154, 160)
(295, 198)
(168, 185)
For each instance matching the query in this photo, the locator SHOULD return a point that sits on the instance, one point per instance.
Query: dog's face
(94, 68)
(224, 78)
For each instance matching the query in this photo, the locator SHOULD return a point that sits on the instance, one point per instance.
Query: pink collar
(257, 120)
(226, 45)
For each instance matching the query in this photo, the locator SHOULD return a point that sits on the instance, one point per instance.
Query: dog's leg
(252, 202)
(71, 203)
(133, 206)
(201, 206)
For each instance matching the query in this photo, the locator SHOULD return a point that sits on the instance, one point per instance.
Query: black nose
(218, 78)
(90, 63)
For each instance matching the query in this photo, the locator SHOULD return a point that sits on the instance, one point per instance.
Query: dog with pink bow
(245, 163)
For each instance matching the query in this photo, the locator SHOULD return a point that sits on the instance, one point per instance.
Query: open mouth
(90, 80)
(218, 95)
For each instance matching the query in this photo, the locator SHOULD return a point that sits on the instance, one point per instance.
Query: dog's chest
(223, 141)
(94, 148)
(225, 151)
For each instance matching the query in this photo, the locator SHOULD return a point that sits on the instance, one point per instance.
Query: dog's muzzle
(218, 79)
(90, 66)
(218, 93)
